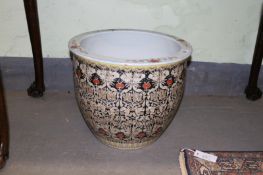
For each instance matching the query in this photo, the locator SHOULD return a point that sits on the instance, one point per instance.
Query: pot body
(127, 102)
(128, 107)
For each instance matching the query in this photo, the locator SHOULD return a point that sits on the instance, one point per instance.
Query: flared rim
(184, 52)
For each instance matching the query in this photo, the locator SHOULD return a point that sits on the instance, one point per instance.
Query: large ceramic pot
(128, 83)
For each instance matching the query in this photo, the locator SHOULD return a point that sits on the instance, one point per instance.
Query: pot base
(126, 146)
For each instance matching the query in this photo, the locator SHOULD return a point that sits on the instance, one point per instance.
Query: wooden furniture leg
(4, 128)
(252, 91)
(37, 87)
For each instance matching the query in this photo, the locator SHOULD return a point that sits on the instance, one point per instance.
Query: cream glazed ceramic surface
(128, 83)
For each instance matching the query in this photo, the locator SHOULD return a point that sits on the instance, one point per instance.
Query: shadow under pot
(128, 83)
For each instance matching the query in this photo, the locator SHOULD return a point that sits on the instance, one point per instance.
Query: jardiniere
(128, 83)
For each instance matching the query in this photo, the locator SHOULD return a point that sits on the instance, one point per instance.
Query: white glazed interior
(130, 46)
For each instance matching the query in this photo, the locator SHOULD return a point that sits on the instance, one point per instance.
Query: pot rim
(182, 54)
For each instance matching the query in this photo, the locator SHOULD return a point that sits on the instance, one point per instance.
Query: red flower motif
(102, 131)
(79, 73)
(158, 130)
(96, 81)
(141, 135)
(120, 85)
(170, 82)
(120, 135)
(154, 60)
(146, 85)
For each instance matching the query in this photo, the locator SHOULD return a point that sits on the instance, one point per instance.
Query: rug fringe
(182, 163)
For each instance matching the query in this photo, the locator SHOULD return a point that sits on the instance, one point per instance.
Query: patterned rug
(227, 163)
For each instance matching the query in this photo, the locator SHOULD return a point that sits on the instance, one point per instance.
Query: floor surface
(49, 136)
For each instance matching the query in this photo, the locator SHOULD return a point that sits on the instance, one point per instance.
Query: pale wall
(219, 30)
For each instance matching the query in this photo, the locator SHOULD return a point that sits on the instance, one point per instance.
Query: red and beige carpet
(227, 163)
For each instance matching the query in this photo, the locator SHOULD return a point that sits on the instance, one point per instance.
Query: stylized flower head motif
(146, 84)
(154, 60)
(102, 131)
(141, 135)
(79, 73)
(169, 81)
(95, 79)
(119, 84)
(120, 135)
(158, 130)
